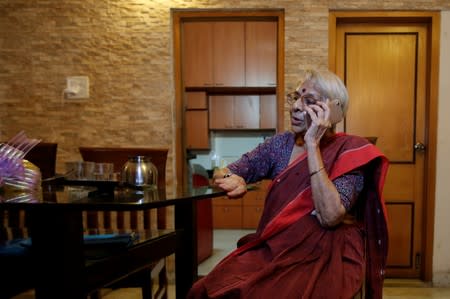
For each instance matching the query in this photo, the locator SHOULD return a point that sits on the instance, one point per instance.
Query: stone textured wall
(125, 47)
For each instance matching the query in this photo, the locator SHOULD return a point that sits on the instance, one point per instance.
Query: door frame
(181, 15)
(432, 20)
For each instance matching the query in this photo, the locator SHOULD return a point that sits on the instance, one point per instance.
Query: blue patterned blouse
(272, 156)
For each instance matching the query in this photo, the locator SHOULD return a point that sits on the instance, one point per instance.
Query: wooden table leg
(186, 271)
(57, 242)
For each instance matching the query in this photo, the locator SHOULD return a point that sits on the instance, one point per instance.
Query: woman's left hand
(233, 184)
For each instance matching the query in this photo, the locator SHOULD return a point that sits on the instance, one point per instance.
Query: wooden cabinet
(197, 54)
(227, 213)
(196, 121)
(251, 216)
(242, 112)
(240, 213)
(261, 53)
(229, 53)
(197, 134)
(213, 54)
(268, 111)
(221, 112)
(246, 112)
(234, 112)
(252, 208)
(196, 100)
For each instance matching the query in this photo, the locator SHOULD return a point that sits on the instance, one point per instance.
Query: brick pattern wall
(125, 48)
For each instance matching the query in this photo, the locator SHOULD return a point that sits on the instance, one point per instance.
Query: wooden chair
(43, 155)
(131, 220)
(119, 156)
(204, 216)
(372, 139)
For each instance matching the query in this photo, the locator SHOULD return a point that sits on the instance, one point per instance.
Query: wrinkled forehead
(307, 87)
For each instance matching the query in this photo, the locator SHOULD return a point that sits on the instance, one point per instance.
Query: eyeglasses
(307, 99)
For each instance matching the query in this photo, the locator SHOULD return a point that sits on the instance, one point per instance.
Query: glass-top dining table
(57, 235)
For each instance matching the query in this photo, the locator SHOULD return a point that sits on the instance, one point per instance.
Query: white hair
(329, 85)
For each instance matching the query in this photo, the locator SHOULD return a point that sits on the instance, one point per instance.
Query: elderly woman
(322, 204)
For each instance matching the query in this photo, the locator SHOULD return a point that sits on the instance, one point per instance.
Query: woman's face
(307, 95)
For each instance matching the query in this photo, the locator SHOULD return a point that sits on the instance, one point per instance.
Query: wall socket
(77, 87)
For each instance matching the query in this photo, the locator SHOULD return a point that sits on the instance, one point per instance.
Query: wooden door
(384, 67)
(229, 54)
(261, 53)
(197, 60)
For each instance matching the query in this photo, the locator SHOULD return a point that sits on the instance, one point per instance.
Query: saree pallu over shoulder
(375, 214)
(292, 254)
(344, 154)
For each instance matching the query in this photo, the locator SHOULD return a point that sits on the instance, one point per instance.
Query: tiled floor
(224, 242)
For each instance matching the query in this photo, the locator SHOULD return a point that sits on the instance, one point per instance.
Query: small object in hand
(227, 175)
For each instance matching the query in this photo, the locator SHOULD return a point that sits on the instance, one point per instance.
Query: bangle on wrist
(317, 171)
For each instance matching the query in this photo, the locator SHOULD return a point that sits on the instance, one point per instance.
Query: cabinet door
(251, 216)
(229, 54)
(225, 201)
(227, 217)
(221, 112)
(197, 54)
(196, 100)
(254, 198)
(268, 111)
(261, 53)
(246, 112)
(197, 134)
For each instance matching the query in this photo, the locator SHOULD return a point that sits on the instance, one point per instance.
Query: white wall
(227, 147)
(441, 256)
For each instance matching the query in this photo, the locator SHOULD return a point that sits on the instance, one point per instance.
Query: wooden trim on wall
(181, 15)
(432, 19)
(178, 111)
(280, 74)
(433, 77)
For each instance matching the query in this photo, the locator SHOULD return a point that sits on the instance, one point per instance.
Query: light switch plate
(77, 87)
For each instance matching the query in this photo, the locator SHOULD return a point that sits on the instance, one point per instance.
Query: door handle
(419, 147)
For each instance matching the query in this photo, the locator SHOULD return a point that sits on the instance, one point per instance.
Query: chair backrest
(119, 156)
(199, 176)
(43, 155)
(372, 139)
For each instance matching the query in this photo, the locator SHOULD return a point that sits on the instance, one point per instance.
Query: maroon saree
(292, 255)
